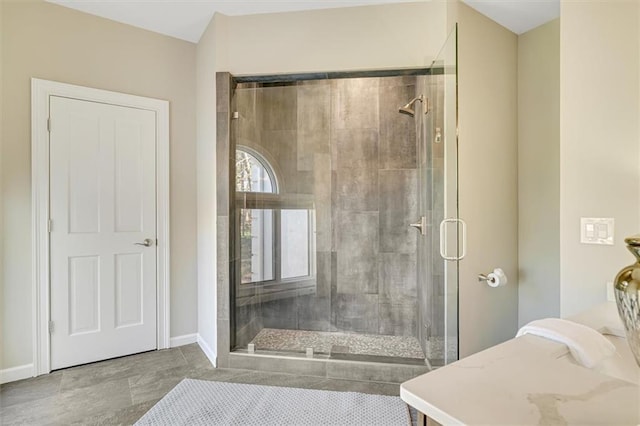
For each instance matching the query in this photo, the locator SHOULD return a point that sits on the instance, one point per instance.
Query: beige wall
(51, 42)
(599, 142)
(488, 178)
(2, 225)
(206, 184)
(369, 37)
(597, 173)
(539, 172)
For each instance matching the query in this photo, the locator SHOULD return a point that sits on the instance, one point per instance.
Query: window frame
(278, 287)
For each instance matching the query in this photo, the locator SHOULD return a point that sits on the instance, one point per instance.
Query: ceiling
(187, 19)
(519, 16)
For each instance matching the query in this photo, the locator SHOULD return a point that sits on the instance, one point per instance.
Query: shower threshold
(343, 346)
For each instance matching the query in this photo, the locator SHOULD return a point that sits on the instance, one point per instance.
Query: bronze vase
(627, 293)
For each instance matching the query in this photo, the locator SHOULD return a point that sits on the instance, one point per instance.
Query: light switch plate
(596, 230)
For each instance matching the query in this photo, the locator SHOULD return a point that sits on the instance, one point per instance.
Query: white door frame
(41, 90)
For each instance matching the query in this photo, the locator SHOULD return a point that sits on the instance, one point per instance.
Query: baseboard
(207, 350)
(185, 339)
(16, 373)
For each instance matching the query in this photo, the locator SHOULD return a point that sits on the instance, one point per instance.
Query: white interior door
(102, 204)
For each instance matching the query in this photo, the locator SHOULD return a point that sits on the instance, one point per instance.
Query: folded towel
(586, 345)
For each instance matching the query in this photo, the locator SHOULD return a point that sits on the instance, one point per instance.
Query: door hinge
(156, 242)
(49, 125)
(49, 222)
(50, 326)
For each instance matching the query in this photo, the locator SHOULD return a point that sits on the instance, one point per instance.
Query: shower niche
(338, 188)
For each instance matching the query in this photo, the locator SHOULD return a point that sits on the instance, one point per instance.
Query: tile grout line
(183, 356)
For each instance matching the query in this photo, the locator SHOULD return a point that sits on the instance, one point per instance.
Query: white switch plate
(596, 230)
(610, 295)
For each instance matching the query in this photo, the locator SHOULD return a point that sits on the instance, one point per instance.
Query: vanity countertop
(532, 380)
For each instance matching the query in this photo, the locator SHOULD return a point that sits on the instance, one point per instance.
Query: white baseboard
(207, 350)
(185, 339)
(16, 373)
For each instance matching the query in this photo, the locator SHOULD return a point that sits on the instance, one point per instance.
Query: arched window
(253, 172)
(276, 242)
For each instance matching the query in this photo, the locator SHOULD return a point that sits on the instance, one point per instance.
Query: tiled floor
(343, 343)
(120, 391)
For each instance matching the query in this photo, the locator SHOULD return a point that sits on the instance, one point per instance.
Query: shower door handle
(421, 225)
(443, 239)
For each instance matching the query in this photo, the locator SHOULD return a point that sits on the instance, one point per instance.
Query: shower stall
(343, 229)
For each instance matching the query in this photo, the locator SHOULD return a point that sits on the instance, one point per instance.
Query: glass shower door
(442, 245)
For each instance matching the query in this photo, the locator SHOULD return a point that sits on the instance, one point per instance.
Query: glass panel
(440, 172)
(349, 276)
(450, 139)
(295, 243)
(256, 245)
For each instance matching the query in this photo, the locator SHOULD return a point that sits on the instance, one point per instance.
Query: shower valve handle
(421, 225)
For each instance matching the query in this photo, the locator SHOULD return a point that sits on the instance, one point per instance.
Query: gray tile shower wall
(313, 123)
(397, 132)
(354, 103)
(374, 158)
(397, 281)
(398, 208)
(357, 252)
(343, 143)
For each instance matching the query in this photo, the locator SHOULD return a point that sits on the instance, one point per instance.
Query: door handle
(148, 242)
(443, 239)
(421, 225)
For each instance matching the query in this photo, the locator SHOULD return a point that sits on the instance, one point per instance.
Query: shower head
(408, 108)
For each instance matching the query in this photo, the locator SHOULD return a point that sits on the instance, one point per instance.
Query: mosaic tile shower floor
(332, 342)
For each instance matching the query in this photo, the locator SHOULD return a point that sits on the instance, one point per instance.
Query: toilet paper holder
(487, 278)
(497, 278)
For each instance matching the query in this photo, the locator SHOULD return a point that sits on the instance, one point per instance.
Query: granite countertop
(532, 380)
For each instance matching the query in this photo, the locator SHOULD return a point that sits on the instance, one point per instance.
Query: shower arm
(425, 104)
(408, 108)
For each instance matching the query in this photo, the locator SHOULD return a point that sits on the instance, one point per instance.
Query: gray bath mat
(197, 402)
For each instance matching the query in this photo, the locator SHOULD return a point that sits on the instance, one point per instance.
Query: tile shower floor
(338, 343)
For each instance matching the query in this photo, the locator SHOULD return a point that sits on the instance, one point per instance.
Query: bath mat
(198, 402)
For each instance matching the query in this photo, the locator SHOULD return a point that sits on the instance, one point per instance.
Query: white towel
(586, 345)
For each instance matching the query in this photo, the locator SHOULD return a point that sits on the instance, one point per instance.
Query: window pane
(256, 245)
(251, 174)
(294, 231)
